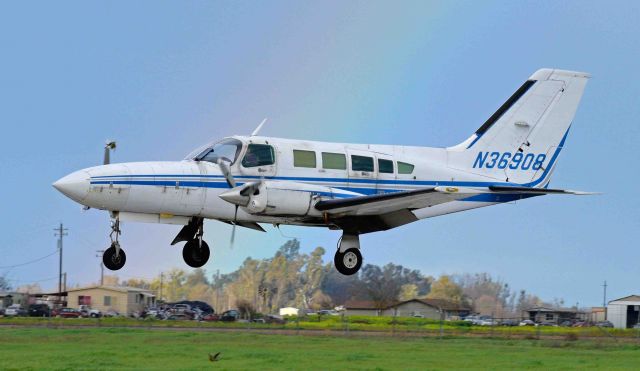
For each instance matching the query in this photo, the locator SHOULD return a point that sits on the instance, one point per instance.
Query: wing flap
(389, 202)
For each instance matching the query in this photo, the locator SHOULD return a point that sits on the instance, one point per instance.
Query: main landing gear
(348, 259)
(114, 257)
(196, 251)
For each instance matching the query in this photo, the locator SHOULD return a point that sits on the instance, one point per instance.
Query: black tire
(113, 262)
(195, 256)
(348, 262)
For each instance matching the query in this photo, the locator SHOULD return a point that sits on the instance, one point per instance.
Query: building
(554, 315)
(624, 312)
(124, 300)
(424, 308)
(598, 314)
(9, 298)
(288, 311)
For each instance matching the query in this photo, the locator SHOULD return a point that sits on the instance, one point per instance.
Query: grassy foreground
(120, 348)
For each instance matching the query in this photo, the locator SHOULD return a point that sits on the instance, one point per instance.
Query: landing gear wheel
(348, 262)
(195, 256)
(114, 261)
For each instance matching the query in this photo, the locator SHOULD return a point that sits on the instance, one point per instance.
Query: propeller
(110, 145)
(232, 184)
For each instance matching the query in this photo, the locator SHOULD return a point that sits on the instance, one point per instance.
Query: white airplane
(356, 188)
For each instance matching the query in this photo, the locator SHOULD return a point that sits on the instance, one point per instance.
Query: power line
(29, 262)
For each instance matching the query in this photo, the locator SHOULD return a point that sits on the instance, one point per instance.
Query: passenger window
(405, 168)
(361, 163)
(259, 155)
(385, 166)
(336, 161)
(304, 158)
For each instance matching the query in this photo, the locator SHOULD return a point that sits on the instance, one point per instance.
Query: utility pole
(604, 300)
(100, 252)
(60, 233)
(161, 282)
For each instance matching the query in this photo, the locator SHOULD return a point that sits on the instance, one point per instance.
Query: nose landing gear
(348, 259)
(114, 257)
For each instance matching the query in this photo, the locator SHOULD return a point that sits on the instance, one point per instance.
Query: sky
(162, 78)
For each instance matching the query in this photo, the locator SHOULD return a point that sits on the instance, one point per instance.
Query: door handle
(261, 170)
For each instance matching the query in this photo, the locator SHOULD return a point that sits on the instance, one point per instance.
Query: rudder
(521, 141)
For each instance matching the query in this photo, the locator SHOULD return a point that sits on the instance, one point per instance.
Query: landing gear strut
(196, 251)
(114, 257)
(348, 259)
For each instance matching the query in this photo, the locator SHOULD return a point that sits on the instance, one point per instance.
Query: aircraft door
(362, 171)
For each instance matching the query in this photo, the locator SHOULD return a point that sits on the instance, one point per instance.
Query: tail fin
(521, 141)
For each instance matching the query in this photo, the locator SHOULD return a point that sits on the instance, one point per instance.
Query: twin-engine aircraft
(355, 188)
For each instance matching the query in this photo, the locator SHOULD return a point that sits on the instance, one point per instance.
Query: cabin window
(259, 155)
(336, 161)
(107, 300)
(385, 166)
(405, 168)
(361, 163)
(304, 158)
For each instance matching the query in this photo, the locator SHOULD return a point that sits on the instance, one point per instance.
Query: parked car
(230, 316)
(527, 322)
(272, 318)
(637, 326)
(328, 312)
(1, 311)
(15, 310)
(509, 322)
(86, 311)
(67, 313)
(210, 317)
(487, 322)
(39, 310)
(607, 324)
(179, 317)
(111, 313)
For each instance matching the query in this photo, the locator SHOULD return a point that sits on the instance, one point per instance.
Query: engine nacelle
(270, 198)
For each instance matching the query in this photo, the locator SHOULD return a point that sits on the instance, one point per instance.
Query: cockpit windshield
(226, 150)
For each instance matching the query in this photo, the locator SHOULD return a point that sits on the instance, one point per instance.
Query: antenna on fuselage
(255, 132)
(109, 146)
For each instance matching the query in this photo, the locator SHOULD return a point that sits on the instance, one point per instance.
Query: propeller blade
(227, 173)
(233, 229)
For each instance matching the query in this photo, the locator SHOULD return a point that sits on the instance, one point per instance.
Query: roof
(435, 303)
(112, 288)
(360, 304)
(553, 310)
(627, 298)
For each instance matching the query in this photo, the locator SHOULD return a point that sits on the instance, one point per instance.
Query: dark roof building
(424, 308)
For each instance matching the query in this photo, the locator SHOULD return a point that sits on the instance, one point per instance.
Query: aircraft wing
(389, 202)
(364, 214)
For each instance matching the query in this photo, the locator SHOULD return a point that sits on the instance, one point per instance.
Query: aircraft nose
(75, 185)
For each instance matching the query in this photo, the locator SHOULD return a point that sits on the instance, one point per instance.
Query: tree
(408, 291)
(4, 284)
(445, 288)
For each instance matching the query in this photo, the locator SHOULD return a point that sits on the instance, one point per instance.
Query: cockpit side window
(226, 150)
(259, 155)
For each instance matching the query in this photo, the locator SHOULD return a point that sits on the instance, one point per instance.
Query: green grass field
(141, 349)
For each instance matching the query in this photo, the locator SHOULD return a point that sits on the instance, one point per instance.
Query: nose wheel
(114, 257)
